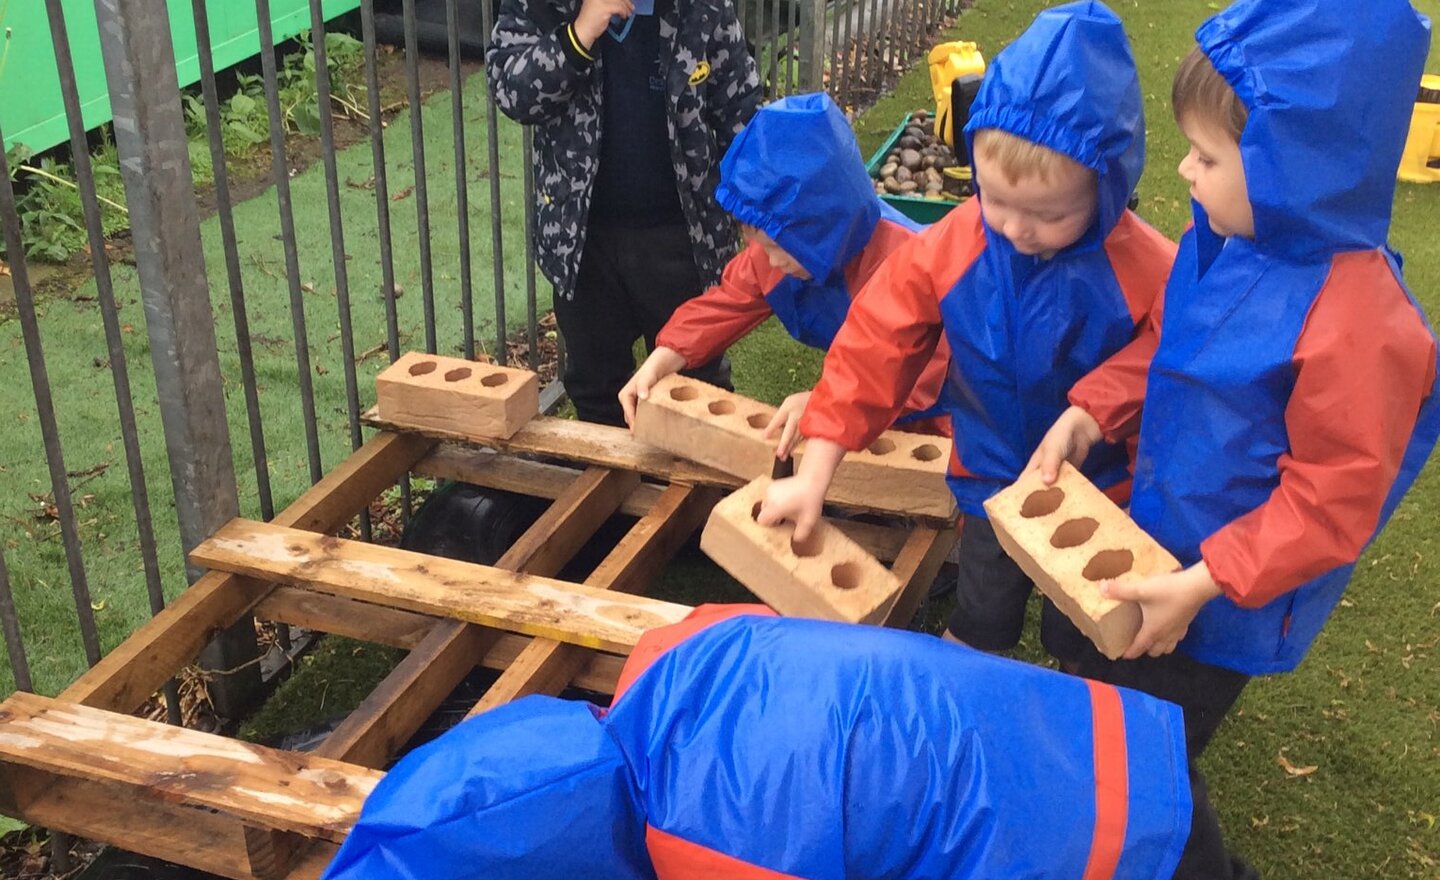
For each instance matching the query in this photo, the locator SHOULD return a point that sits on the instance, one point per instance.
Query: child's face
(1039, 216)
(780, 260)
(1217, 177)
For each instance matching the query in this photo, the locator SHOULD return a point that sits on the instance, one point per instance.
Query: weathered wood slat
(473, 593)
(918, 563)
(501, 470)
(391, 714)
(406, 629)
(547, 666)
(261, 787)
(127, 676)
(616, 448)
(112, 814)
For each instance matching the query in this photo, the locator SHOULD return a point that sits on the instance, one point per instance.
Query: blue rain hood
(1069, 83)
(1320, 149)
(535, 788)
(795, 173)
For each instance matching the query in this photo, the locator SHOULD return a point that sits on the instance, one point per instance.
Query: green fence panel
(31, 110)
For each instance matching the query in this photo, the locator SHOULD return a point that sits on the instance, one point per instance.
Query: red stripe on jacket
(676, 858)
(1112, 782)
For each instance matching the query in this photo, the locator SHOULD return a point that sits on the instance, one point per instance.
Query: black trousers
(1206, 694)
(630, 282)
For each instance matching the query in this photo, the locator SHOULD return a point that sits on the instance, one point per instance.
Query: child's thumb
(1121, 591)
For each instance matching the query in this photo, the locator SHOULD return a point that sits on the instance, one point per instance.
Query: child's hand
(798, 499)
(1168, 603)
(595, 16)
(788, 417)
(1069, 439)
(661, 363)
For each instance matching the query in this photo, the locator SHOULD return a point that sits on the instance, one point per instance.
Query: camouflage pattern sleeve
(735, 92)
(531, 64)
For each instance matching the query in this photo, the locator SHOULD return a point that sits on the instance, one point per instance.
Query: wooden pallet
(80, 763)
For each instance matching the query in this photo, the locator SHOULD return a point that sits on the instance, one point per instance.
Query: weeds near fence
(48, 199)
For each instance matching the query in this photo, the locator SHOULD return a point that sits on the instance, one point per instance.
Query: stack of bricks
(457, 396)
(1068, 538)
(725, 430)
(828, 576)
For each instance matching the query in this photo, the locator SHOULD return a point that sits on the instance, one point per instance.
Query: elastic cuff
(579, 56)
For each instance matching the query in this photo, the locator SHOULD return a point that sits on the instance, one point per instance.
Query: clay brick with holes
(456, 395)
(897, 465)
(1068, 538)
(725, 430)
(828, 576)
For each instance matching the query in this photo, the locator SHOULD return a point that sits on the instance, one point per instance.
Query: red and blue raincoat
(768, 748)
(1021, 329)
(1289, 403)
(795, 173)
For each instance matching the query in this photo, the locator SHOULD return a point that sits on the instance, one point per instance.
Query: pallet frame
(173, 816)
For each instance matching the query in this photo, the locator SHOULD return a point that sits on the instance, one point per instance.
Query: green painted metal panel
(31, 110)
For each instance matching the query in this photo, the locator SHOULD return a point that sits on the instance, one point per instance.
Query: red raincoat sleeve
(703, 327)
(890, 337)
(1114, 392)
(1364, 364)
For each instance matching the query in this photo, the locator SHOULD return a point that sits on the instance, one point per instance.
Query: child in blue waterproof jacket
(1284, 403)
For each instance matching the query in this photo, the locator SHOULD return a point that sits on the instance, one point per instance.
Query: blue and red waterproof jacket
(1022, 329)
(1289, 402)
(795, 173)
(769, 748)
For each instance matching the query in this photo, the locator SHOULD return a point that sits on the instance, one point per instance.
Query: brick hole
(925, 453)
(457, 374)
(1042, 502)
(721, 407)
(494, 380)
(758, 421)
(422, 368)
(1108, 564)
(1073, 532)
(811, 546)
(845, 576)
(883, 446)
(683, 393)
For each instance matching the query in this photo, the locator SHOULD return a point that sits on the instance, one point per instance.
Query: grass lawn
(74, 343)
(1330, 772)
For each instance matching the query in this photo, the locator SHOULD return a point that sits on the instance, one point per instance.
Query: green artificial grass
(1330, 772)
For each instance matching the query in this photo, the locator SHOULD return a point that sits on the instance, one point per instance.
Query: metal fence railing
(312, 298)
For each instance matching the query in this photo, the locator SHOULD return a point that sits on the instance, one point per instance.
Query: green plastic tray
(918, 209)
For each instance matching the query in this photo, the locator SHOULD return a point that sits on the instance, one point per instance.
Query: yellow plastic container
(948, 61)
(1423, 145)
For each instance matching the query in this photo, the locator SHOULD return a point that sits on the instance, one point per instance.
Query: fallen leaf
(402, 194)
(1291, 770)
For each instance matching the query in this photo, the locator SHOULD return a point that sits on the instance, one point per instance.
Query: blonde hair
(1200, 91)
(1018, 158)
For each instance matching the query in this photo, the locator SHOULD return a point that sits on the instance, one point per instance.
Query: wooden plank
(917, 565)
(501, 470)
(406, 629)
(136, 668)
(390, 715)
(616, 448)
(261, 787)
(547, 666)
(112, 814)
(373, 733)
(345, 617)
(481, 594)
